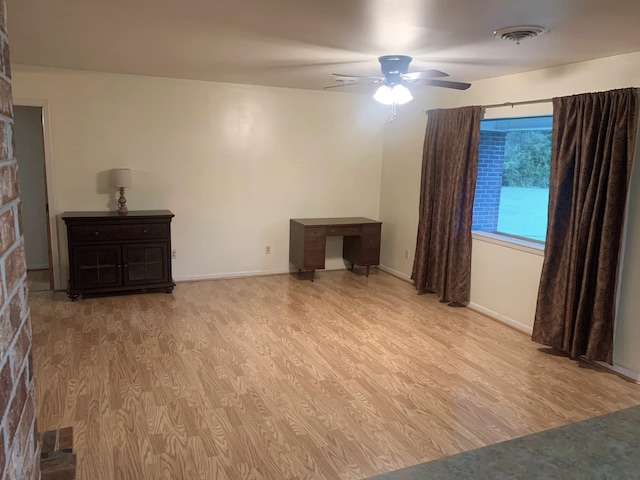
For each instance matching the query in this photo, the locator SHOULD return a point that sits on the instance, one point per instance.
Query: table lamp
(120, 179)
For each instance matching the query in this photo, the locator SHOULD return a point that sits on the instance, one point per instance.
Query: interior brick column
(19, 456)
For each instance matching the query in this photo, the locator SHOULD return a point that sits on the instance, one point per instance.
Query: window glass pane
(523, 212)
(512, 190)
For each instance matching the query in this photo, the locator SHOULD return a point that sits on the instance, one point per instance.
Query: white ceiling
(299, 43)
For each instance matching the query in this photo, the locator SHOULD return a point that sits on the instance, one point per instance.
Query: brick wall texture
(489, 184)
(19, 456)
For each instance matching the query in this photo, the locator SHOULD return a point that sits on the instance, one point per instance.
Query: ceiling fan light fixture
(398, 94)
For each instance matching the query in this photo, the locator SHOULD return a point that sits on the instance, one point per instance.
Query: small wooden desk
(308, 238)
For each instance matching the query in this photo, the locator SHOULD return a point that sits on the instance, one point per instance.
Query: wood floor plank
(277, 378)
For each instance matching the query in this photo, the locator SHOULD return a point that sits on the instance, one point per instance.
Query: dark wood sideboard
(110, 252)
(308, 238)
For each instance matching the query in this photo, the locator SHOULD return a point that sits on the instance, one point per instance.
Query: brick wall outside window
(489, 183)
(19, 456)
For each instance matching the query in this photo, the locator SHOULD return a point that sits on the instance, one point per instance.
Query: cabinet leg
(73, 296)
(168, 289)
(313, 275)
(352, 265)
(367, 270)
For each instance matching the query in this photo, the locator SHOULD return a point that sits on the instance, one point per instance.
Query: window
(512, 189)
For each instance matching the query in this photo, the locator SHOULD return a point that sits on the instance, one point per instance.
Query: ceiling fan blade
(445, 84)
(423, 74)
(359, 77)
(346, 84)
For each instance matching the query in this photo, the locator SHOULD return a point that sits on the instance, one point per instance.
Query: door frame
(49, 187)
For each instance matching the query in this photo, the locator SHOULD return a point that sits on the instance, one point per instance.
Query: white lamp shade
(387, 95)
(121, 177)
(383, 95)
(401, 94)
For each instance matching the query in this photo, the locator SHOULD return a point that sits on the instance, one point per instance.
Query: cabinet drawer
(371, 229)
(314, 244)
(142, 231)
(344, 230)
(99, 233)
(315, 232)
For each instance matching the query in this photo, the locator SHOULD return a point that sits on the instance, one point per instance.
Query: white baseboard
(254, 273)
(395, 273)
(218, 276)
(502, 318)
(38, 266)
(625, 372)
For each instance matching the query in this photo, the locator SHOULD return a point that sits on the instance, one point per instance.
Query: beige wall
(504, 282)
(233, 162)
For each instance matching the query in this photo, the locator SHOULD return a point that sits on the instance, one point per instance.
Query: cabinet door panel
(97, 266)
(145, 263)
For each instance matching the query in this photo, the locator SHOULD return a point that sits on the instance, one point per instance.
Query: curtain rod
(512, 104)
(526, 102)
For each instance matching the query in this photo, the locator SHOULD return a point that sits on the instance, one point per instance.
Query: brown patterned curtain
(442, 263)
(592, 152)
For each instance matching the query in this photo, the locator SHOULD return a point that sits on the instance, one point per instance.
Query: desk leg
(313, 272)
(367, 270)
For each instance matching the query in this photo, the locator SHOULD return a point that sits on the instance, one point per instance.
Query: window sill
(509, 242)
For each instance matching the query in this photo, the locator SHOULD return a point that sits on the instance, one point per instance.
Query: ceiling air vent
(519, 33)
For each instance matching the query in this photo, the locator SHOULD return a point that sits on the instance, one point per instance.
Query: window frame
(515, 243)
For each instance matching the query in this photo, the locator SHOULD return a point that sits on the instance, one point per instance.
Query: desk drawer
(314, 244)
(101, 233)
(344, 230)
(314, 260)
(315, 232)
(369, 256)
(371, 241)
(373, 229)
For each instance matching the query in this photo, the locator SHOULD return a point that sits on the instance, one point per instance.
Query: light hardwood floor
(280, 378)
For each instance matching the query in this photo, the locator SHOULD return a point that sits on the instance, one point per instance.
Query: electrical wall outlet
(173, 253)
(267, 249)
(406, 254)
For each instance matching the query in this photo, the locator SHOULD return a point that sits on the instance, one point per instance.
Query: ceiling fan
(393, 90)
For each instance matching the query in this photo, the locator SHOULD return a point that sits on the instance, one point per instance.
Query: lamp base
(122, 203)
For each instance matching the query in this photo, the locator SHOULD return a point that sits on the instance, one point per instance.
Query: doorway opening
(30, 150)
